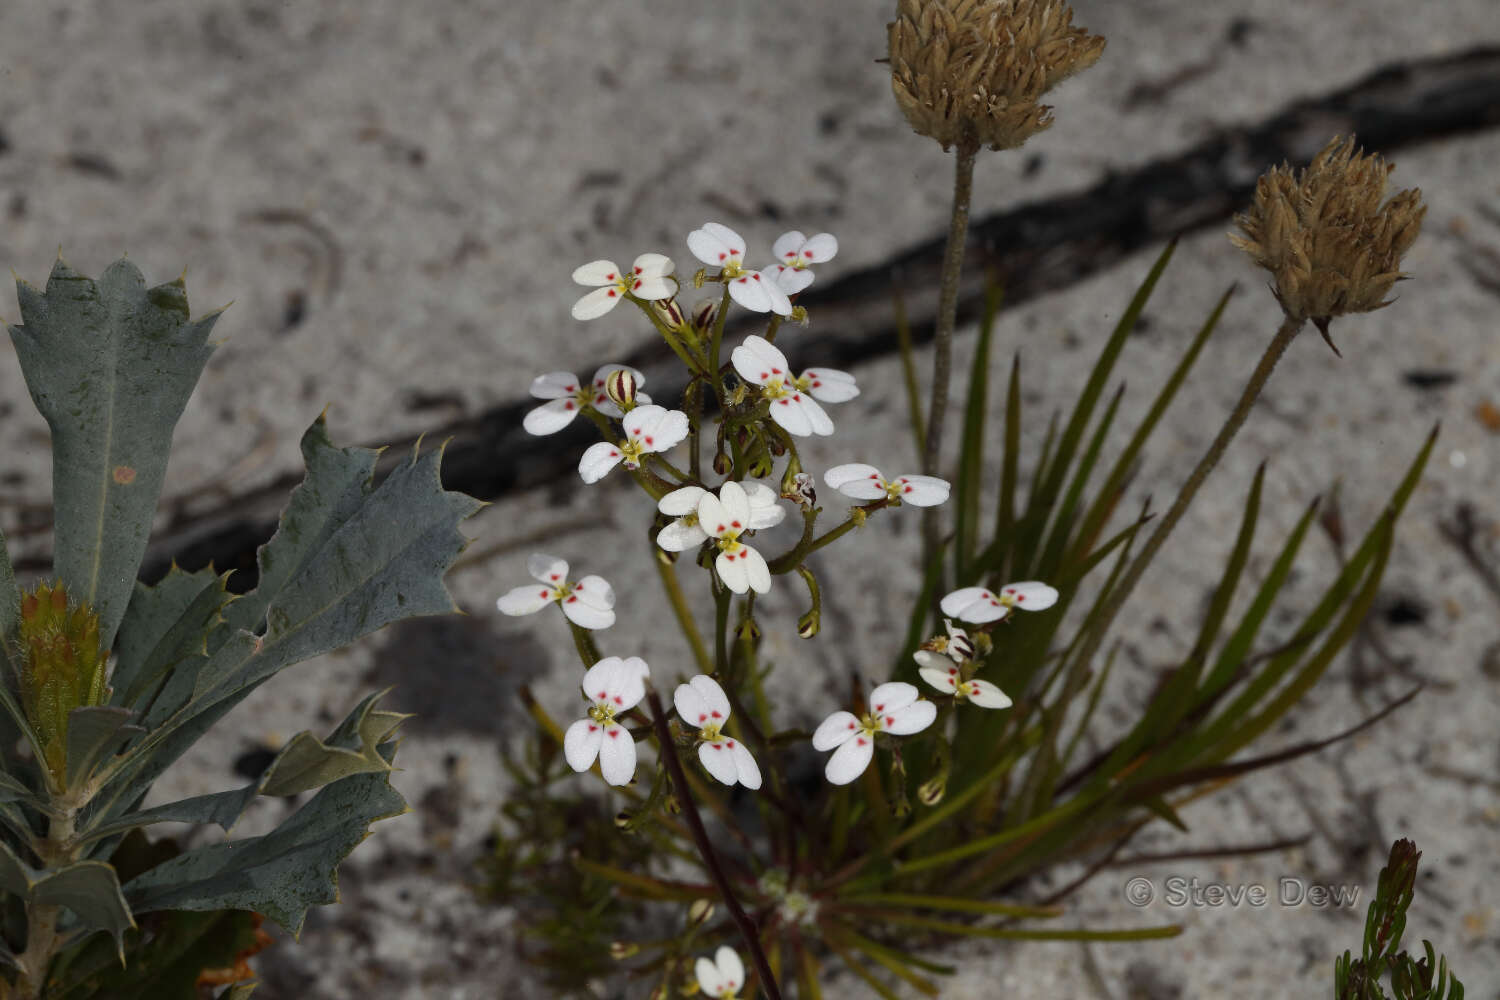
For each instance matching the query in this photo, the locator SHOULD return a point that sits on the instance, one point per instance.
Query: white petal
(549, 418)
(734, 570)
(791, 415)
(639, 667)
(820, 248)
(754, 292)
(1031, 595)
(652, 265)
(716, 244)
(940, 677)
(597, 461)
(923, 491)
(527, 600)
(596, 303)
(757, 573)
(857, 480)
(973, 604)
(834, 730)
(758, 360)
(681, 502)
(595, 591)
(744, 765)
(701, 702)
(892, 696)
(656, 427)
(691, 707)
(912, 719)
(830, 385)
(850, 760)
(597, 272)
(731, 969)
(617, 754)
(585, 615)
(548, 569)
(600, 678)
(554, 385)
(815, 415)
(718, 760)
(713, 696)
(788, 246)
(776, 296)
(764, 509)
(651, 289)
(986, 695)
(789, 279)
(679, 536)
(736, 505)
(581, 744)
(707, 974)
(712, 517)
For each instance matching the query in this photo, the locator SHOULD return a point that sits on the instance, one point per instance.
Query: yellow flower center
(710, 732)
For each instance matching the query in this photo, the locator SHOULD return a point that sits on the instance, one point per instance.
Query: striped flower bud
(670, 313)
(619, 386)
(705, 312)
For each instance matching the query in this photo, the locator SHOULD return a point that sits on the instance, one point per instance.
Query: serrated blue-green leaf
(346, 559)
(95, 732)
(164, 626)
(282, 873)
(110, 365)
(223, 809)
(306, 762)
(91, 890)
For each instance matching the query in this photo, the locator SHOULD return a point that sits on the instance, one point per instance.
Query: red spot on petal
(851, 725)
(603, 695)
(775, 371)
(1020, 598)
(907, 490)
(569, 388)
(613, 453)
(554, 576)
(874, 475)
(722, 256)
(741, 281)
(611, 294)
(593, 729)
(613, 733)
(702, 717)
(546, 594)
(610, 276)
(619, 700)
(817, 385)
(952, 671)
(890, 720)
(638, 270)
(719, 530)
(648, 440)
(860, 741)
(716, 715)
(735, 524)
(807, 254)
(571, 600)
(784, 402)
(756, 276)
(880, 708)
(730, 744)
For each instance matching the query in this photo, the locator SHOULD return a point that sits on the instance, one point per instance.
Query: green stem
(714, 370)
(583, 639)
(942, 343)
(1283, 339)
(742, 920)
(668, 571)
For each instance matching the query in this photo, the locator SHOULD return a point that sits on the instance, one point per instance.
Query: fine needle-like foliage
(109, 681)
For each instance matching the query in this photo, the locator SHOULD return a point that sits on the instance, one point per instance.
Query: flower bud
(705, 312)
(623, 949)
(623, 819)
(700, 911)
(670, 314)
(931, 792)
(619, 386)
(808, 624)
(722, 463)
(63, 668)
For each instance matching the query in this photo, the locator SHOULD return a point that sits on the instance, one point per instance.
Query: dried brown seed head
(1330, 238)
(971, 73)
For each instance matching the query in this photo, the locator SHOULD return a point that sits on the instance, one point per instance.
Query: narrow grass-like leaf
(1034, 934)
(1063, 516)
(971, 446)
(1005, 513)
(956, 904)
(643, 886)
(909, 372)
(1093, 521)
(1040, 506)
(840, 946)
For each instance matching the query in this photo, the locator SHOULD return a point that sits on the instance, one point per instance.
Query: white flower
(864, 482)
(648, 429)
(794, 253)
(792, 399)
(722, 247)
(569, 396)
(894, 709)
(976, 604)
(647, 279)
(615, 686)
(724, 518)
(587, 603)
(721, 977)
(683, 533)
(701, 703)
(939, 662)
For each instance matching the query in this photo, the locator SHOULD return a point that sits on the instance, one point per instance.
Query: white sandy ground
(458, 160)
